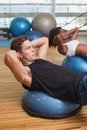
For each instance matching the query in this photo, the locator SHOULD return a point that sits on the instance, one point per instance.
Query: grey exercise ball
(43, 22)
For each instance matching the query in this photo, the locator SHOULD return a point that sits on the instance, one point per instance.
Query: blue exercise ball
(40, 104)
(19, 26)
(75, 63)
(32, 35)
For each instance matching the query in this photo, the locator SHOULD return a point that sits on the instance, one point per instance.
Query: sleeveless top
(72, 45)
(55, 80)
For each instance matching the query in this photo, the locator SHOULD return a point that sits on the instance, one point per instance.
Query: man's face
(28, 52)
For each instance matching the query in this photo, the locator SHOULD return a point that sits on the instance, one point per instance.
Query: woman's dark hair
(52, 34)
(17, 42)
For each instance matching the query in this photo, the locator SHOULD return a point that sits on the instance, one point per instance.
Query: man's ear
(20, 55)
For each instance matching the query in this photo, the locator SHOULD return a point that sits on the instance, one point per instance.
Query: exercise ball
(40, 104)
(19, 26)
(75, 63)
(32, 35)
(43, 22)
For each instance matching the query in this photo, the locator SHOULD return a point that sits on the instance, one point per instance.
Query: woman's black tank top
(55, 80)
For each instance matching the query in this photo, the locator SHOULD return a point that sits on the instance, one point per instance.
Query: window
(68, 13)
(71, 13)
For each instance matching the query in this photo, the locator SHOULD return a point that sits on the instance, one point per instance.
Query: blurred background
(68, 13)
(63, 10)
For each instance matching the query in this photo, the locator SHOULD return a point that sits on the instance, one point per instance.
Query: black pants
(83, 90)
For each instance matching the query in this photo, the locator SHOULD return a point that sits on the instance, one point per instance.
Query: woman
(66, 42)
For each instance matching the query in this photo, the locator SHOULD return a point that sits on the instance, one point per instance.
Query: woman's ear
(55, 41)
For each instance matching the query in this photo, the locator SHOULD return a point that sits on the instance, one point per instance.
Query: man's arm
(20, 72)
(42, 45)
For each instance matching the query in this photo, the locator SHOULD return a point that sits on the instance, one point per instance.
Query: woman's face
(63, 34)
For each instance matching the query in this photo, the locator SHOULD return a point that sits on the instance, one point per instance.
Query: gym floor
(13, 116)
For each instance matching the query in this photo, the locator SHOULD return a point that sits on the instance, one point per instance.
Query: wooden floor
(12, 115)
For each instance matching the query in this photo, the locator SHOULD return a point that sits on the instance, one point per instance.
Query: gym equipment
(40, 104)
(79, 28)
(32, 35)
(75, 63)
(75, 18)
(5, 33)
(43, 22)
(19, 26)
(83, 25)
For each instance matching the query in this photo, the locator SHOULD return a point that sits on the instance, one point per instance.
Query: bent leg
(81, 50)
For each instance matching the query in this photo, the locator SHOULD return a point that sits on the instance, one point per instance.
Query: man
(35, 73)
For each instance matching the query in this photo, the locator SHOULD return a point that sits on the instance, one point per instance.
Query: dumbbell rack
(5, 33)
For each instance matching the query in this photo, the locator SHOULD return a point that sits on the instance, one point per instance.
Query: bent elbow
(22, 79)
(6, 58)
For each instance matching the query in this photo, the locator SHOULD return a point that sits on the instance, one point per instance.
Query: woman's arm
(21, 73)
(58, 41)
(74, 33)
